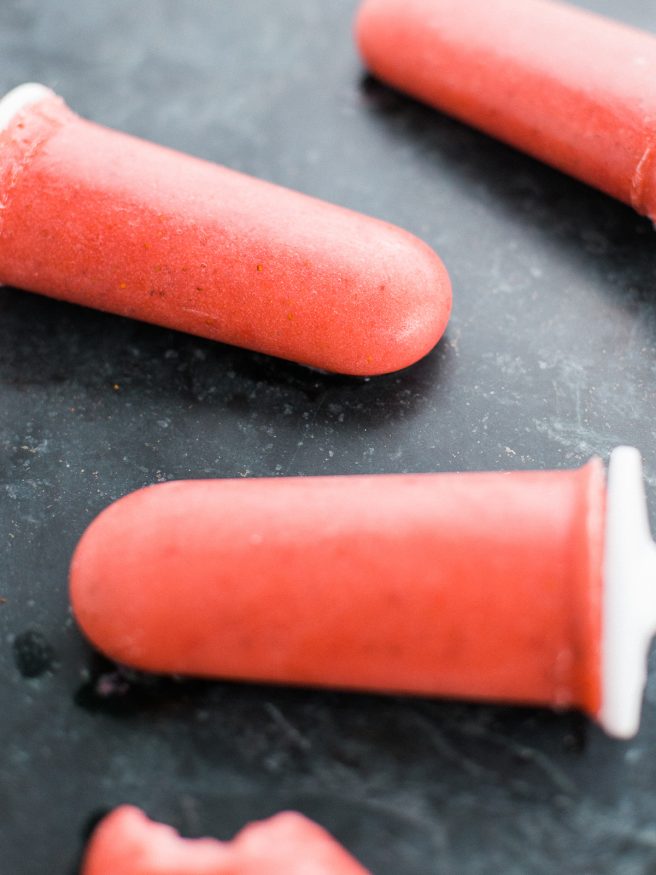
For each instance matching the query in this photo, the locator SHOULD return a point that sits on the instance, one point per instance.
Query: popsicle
(126, 842)
(527, 587)
(572, 88)
(96, 217)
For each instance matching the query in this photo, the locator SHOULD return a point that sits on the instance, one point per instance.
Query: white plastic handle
(629, 600)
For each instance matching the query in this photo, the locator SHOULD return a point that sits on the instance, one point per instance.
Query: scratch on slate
(292, 733)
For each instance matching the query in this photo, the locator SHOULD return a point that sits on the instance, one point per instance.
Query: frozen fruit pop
(94, 216)
(126, 842)
(527, 587)
(569, 87)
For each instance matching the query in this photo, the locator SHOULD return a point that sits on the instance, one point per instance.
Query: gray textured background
(550, 357)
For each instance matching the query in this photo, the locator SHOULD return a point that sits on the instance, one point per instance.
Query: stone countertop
(550, 357)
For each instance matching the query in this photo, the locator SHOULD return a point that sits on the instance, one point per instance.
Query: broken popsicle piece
(528, 587)
(570, 87)
(126, 842)
(96, 217)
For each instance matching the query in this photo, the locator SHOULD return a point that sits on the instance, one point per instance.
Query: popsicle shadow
(531, 755)
(471, 738)
(55, 345)
(588, 229)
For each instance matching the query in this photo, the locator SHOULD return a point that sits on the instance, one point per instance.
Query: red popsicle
(490, 586)
(572, 88)
(127, 843)
(100, 218)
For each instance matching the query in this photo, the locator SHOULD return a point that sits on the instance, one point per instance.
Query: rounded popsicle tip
(375, 30)
(19, 98)
(399, 312)
(629, 601)
(114, 580)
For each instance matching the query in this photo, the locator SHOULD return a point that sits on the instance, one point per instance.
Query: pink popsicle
(96, 217)
(570, 87)
(127, 843)
(533, 587)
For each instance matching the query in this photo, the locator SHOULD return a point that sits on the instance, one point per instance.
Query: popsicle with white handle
(535, 587)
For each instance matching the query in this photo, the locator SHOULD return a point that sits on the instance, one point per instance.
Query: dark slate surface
(550, 357)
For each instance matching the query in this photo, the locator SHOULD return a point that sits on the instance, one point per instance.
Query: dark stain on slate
(33, 653)
(120, 691)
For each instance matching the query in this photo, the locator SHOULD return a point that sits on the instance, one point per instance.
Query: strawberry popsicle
(96, 217)
(571, 88)
(526, 587)
(126, 842)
